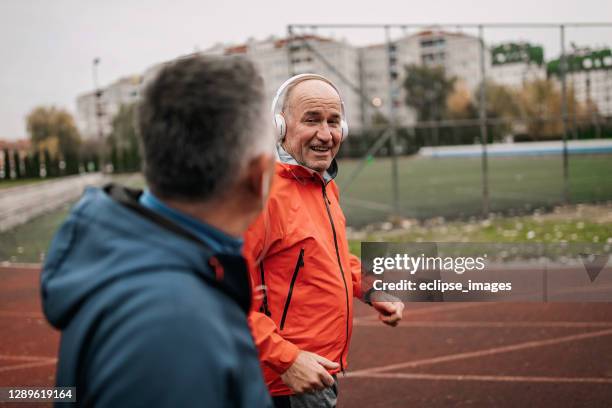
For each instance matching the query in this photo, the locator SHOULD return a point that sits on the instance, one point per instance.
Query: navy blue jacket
(149, 316)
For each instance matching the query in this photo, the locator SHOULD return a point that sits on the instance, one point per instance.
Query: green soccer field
(452, 187)
(429, 188)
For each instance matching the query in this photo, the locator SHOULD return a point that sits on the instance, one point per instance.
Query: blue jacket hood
(92, 249)
(146, 307)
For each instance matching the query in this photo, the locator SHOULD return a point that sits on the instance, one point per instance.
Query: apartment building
(95, 113)
(457, 53)
(377, 72)
(279, 58)
(356, 71)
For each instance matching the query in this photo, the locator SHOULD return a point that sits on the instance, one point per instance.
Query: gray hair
(201, 120)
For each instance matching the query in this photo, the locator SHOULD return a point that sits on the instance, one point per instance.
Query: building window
(433, 42)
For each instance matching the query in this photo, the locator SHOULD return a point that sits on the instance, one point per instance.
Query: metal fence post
(290, 66)
(483, 125)
(562, 70)
(393, 74)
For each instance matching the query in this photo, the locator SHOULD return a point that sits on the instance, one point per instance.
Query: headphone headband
(279, 120)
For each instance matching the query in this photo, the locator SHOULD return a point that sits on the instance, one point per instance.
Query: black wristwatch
(367, 297)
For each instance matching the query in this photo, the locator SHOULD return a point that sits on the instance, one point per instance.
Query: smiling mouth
(320, 149)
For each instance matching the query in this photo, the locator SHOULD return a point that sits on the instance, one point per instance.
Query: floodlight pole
(290, 51)
(562, 70)
(483, 125)
(98, 97)
(392, 64)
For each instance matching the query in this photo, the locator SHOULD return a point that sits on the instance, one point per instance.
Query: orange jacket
(299, 253)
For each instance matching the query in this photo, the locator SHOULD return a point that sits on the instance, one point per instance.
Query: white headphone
(279, 119)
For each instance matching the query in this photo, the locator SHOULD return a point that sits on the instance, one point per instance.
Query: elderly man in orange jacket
(302, 322)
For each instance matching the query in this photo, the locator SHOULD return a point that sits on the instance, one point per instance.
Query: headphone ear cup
(281, 126)
(345, 129)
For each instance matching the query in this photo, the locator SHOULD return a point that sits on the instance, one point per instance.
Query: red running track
(442, 355)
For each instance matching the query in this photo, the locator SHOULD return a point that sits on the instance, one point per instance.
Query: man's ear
(259, 174)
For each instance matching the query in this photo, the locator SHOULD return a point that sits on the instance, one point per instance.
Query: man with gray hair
(149, 289)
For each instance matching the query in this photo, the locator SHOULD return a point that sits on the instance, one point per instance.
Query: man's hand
(390, 311)
(309, 372)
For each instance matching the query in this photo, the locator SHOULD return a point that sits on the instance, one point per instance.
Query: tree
(71, 162)
(17, 164)
(501, 103)
(90, 153)
(29, 168)
(427, 89)
(7, 164)
(36, 164)
(541, 106)
(50, 165)
(115, 159)
(53, 129)
(123, 140)
(459, 104)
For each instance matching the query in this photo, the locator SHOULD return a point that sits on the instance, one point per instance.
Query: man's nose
(325, 132)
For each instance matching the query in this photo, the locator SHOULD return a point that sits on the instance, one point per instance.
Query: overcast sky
(47, 47)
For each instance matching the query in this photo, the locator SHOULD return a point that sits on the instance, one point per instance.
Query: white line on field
(10, 265)
(484, 352)
(8, 313)
(470, 377)
(28, 365)
(25, 358)
(520, 324)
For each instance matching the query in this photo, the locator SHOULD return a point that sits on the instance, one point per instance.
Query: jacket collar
(218, 240)
(295, 169)
(235, 283)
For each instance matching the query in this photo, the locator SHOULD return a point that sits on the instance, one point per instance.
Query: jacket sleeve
(274, 350)
(355, 263)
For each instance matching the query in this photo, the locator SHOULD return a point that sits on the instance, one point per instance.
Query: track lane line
(25, 358)
(483, 352)
(9, 266)
(28, 365)
(8, 313)
(510, 324)
(489, 378)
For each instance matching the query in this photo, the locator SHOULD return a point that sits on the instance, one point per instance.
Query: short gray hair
(201, 119)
